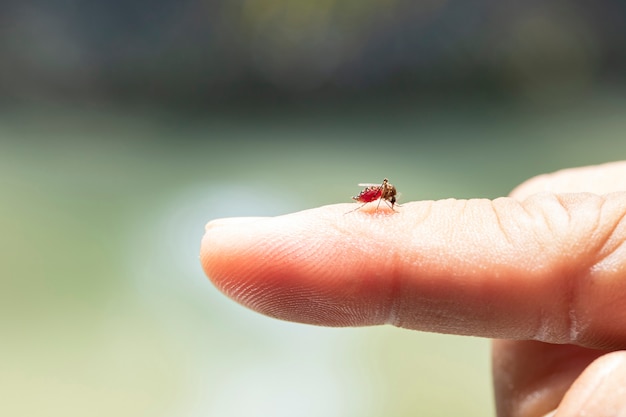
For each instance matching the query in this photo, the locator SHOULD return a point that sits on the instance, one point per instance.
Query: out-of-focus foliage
(206, 51)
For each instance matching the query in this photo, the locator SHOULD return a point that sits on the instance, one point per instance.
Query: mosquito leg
(358, 208)
(390, 205)
(379, 200)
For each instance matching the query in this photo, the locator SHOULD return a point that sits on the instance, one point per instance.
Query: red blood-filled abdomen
(369, 195)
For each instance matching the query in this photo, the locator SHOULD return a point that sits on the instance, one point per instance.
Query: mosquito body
(373, 192)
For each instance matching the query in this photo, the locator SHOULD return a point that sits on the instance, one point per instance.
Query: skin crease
(540, 271)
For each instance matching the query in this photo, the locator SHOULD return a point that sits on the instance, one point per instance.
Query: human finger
(546, 268)
(530, 378)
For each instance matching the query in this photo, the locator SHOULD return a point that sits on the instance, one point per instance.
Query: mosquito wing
(369, 184)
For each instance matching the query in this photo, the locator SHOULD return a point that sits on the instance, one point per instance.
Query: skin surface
(542, 271)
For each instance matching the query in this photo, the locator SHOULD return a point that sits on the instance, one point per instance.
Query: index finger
(547, 268)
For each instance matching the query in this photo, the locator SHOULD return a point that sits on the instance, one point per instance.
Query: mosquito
(373, 192)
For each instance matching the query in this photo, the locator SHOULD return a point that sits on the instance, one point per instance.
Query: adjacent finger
(549, 268)
(530, 378)
(600, 391)
(597, 179)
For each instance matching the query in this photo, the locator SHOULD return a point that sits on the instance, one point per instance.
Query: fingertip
(221, 235)
(310, 267)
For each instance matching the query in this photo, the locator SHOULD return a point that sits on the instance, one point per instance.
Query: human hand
(543, 271)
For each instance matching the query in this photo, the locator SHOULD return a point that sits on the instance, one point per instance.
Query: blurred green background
(125, 127)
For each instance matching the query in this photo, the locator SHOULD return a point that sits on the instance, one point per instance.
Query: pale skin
(542, 272)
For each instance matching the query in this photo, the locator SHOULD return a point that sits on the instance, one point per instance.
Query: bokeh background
(126, 126)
